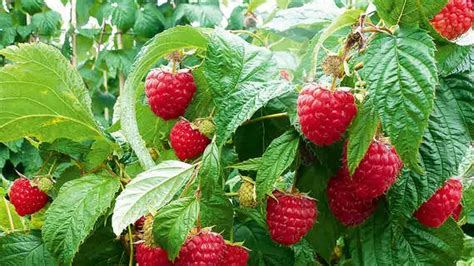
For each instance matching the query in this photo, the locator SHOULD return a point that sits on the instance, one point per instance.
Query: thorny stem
(45, 163)
(52, 165)
(261, 118)
(10, 218)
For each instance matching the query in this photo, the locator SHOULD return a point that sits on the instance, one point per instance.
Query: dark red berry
(187, 142)
(235, 255)
(148, 256)
(26, 198)
(169, 94)
(324, 115)
(454, 19)
(376, 172)
(204, 248)
(457, 212)
(139, 223)
(435, 211)
(345, 206)
(290, 216)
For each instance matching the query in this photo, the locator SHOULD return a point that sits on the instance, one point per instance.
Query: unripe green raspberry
(247, 194)
(205, 126)
(45, 184)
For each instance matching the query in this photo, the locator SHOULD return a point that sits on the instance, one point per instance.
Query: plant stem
(333, 84)
(255, 36)
(231, 194)
(73, 33)
(121, 75)
(130, 236)
(261, 118)
(10, 218)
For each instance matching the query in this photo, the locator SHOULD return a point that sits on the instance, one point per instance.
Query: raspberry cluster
(455, 19)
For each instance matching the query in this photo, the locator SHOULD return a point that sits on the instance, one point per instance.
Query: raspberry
(454, 19)
(204, 248)
(377, 171)
(324, 115)
(187, 142)
(345, 206)
(247, 193)
(169, 94)
(235, 255)
(290, 217)
(147, 256)
(435, 211)
(139, 223)
(26, 198)
(457, 212)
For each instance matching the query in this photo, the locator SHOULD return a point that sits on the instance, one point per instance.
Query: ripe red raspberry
(377, 171)
(169, 94)
(26, 198)
(324, 115)
(454, 19)
(139, 223)
(345, 206)
(204, 248)
(435, 211)
(148, 256)
(235, 255)
(457, 212)
(290, 216)
(187, 142)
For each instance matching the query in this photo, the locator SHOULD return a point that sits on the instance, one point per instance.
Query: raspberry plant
(325, 133)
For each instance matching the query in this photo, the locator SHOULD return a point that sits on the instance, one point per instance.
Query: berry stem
(10, 218)
(232, 194)
(258, 119)
(333, 83)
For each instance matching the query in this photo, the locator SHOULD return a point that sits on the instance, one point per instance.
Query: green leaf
(216, 211)
(401, 74)
(32, 6)
(202, 103)
(276, 159)
(454, 58)
(44, 101)
(150, 190)
(445, 143)
(248, 165)
(210, 171)
(47, 23)
(8, 33)
(294, 22)
(408, 11)
(263, 251)
(253, 4)
(234, 65)
(149, 21)
(73, 214)
(361, 133)
(122, 13)
(99, 151)
(373, 243)
(205, 15)
(173, 223)
(27, 250)
(9, 219)
(159, 46)
(324, 234)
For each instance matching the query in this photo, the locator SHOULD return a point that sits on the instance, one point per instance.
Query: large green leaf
(445, 143)
(47, 23)
(122, 13)
(32, 6)
(232, 64)
(73, 214)
(457, 90)
(44, 100)
(401, 74)
(173, 223)
(204, 14)
(378, 242)
(453, 58)
(361, 133)
(149, 191)
(408, 11)
(276, 159)
(324, 234)
(24, 249)
(216, 211)
(210, 171)
(162, 44)
(149, 21)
